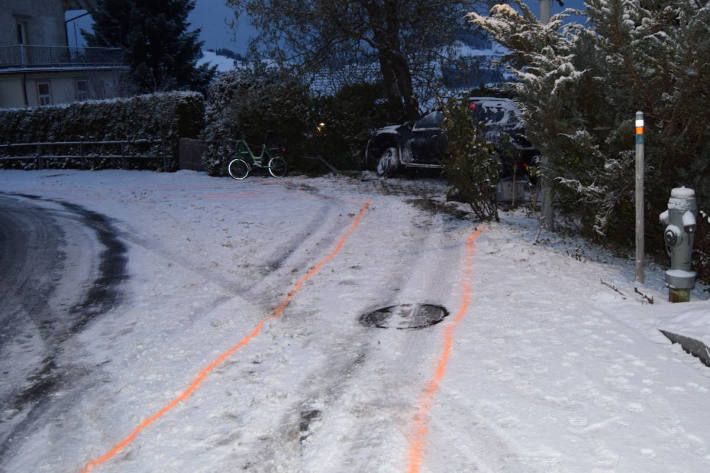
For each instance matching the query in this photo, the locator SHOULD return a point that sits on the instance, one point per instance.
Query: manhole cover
(405, 316)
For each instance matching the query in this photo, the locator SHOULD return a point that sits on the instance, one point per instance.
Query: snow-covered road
(548, 369)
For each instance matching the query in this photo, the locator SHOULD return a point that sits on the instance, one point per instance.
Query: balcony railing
(27, 56)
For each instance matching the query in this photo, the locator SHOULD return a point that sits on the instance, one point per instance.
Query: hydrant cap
(683, 193)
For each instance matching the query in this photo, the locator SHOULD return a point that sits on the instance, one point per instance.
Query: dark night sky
(212, 17)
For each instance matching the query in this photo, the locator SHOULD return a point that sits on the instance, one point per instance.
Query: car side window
(430, 120)
(496, 116)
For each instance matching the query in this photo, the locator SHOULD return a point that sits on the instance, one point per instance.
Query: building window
(22, 41)
(82, 89)
(44, 93)
(21, 33)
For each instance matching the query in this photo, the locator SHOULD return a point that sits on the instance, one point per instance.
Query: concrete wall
(44, 20)
(11, 93)
(190, 153)
(62, 85)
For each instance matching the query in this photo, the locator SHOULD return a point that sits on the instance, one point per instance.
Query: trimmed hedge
(165, 116)
(276, 107)
(261, 105)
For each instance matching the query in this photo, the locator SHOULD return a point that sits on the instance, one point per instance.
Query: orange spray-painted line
(417, 439)
(197, 381)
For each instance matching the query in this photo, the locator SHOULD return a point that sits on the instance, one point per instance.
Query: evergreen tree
(580, 86)
(161, 53)
(472, 168)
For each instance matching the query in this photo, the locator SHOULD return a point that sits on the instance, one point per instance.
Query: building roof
(79, 4)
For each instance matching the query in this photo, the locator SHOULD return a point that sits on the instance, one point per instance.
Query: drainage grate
(405, 316)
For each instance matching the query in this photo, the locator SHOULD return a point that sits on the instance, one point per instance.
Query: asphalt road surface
(60, 266)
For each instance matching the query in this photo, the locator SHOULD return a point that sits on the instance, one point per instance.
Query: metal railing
(29, 56)
(91, 153)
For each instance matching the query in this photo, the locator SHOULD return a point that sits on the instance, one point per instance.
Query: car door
(426, 139)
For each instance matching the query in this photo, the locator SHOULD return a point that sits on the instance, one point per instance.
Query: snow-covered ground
(211, 58)
(495, 51)
(549, 370)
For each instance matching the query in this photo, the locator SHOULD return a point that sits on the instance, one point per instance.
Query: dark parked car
(422, 143)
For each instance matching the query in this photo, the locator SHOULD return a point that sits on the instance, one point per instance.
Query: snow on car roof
(387, 129)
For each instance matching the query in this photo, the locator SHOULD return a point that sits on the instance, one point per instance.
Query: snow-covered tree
(401, 36)
(580, 86)
(160, 51)
(473, 167)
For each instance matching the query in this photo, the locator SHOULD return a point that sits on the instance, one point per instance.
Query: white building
(37, 66)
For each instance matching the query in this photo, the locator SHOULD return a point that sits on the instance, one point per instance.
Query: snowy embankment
(548, 369)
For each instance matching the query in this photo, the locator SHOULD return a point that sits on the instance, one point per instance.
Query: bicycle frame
(274, 164)
(244, 152)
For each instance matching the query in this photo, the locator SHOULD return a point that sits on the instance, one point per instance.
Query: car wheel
(388, 163)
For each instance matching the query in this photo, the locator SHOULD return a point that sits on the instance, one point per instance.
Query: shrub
(161, 116)
(349, 116)
(260, 105)
(472, 165)
(266, 105)
(580, 86)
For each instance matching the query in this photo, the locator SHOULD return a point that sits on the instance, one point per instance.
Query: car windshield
(430, 120)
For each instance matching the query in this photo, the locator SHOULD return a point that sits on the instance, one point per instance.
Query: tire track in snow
(319, 231)
(418, 437)
(198, 380)
(258, 291)
(329, 398)
(373, 421)
(56, 315)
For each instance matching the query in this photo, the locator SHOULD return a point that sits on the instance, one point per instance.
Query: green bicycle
(246, 160)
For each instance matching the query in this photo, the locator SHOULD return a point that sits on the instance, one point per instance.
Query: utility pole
(548, 216)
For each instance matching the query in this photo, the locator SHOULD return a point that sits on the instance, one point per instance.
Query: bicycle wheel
(277, 166)
(238, 168)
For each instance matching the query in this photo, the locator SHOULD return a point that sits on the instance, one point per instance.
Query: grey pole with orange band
(639, 198)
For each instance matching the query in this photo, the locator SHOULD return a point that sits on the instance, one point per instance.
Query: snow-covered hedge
(277, 107)
(260, 105)
(162, 116)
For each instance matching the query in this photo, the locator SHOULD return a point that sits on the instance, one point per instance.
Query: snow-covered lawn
(549, 370)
